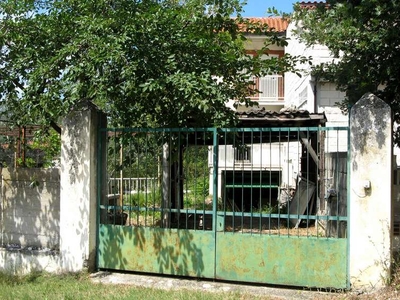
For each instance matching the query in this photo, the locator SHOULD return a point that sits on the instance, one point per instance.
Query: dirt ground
(264, 225)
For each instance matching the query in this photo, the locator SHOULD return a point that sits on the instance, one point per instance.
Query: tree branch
(55, 126)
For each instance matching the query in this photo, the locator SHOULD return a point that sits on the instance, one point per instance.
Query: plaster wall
(370, 193)
(255, 43)
(30, 220)
(30, 208)
(78, 209)
(25, 261)
(47, 222)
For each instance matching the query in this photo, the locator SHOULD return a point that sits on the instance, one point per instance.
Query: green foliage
(196, 171)
(364, 35)
(145, 63)
(40, 147)
(269, 209)
(152, 199)
(148, 205)
(140, 154)
(43, 150)
(199, 186)
(49, 144)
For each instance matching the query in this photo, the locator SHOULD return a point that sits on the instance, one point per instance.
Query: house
(271, 87)
(267, 170)
(316, 94)
(310, 92)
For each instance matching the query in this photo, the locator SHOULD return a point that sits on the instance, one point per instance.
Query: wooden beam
(309, 148)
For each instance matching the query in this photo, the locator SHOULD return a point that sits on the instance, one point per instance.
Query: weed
(269, 209)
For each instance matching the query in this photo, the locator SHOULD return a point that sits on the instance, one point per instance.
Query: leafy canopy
(365, 36)
(145, 63)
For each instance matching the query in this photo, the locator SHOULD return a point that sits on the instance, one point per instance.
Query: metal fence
(260, 205)
(273, 181)
(131, 185)
(17, 146)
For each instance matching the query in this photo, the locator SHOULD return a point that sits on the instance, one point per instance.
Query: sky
(258, 8)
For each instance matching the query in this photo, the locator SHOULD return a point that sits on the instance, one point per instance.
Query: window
(270, 87)
(242, 153)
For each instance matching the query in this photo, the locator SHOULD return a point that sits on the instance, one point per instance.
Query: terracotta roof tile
(277, 23)
(311, 5)
(283, 118)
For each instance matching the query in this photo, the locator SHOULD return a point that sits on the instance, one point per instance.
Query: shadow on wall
(30, 208)
(78, 161)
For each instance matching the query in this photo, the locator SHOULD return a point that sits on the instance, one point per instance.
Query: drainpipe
(315, 95)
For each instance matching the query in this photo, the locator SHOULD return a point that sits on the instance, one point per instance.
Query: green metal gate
(265, 205)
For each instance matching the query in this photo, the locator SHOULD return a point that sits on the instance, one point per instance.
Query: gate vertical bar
(99, 175)
(215, 193)
(348, 202)
(102, 185)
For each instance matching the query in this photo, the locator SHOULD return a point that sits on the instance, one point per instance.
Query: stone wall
(30, 208)
(30, 220)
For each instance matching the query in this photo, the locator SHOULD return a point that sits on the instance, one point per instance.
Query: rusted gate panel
(285, 260)
(155, 250)
(241, 204)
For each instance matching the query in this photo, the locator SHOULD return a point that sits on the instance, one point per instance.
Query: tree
(364, 36)
(145, 63)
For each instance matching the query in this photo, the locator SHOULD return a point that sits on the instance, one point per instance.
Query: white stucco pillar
(370, 193)
(78, 209)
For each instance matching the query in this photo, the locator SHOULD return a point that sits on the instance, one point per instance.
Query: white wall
(301, 92)
(25, 261)
(327, 97)
(30, 208)
(48, 218)
(282, 157)
(258, 153)
(78, 208)
(30, 220)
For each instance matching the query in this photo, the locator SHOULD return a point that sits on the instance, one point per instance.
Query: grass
(79, 286)
(45, 286)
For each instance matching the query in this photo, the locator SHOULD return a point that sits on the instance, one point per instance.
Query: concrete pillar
(78, 209)
(370, 193)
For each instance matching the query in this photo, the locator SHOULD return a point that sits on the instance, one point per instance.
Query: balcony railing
(131, 185)
(271, 88)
